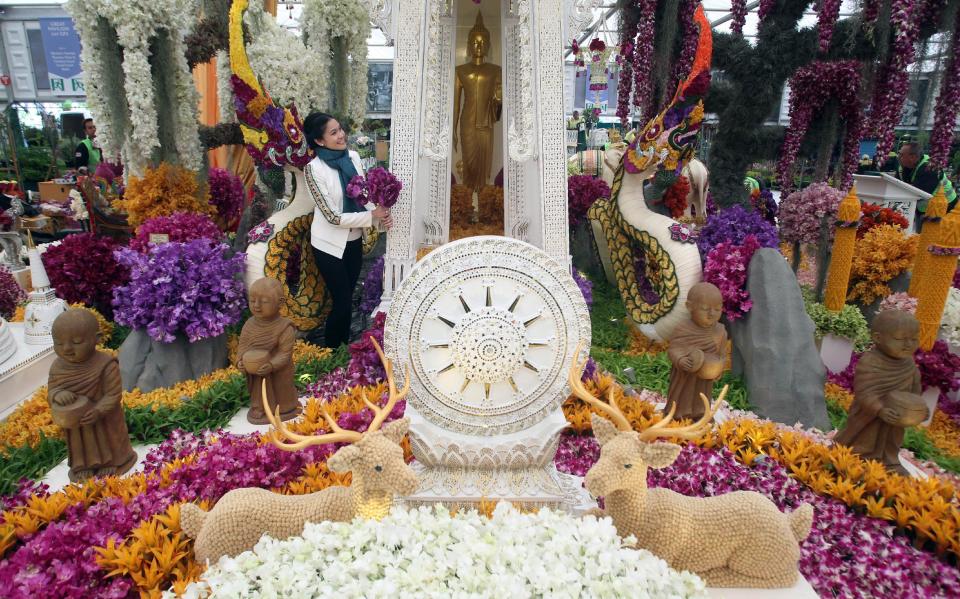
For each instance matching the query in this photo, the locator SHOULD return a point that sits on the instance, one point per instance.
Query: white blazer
(331, 228)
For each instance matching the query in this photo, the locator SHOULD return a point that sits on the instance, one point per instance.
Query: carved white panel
(522, 118)
(516, 217)
(553, 174)
(381, 16)
(579, 16)
(405, 119)
(488, 326)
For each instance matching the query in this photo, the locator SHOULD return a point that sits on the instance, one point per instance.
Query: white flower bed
(429, 553)
(950, 323)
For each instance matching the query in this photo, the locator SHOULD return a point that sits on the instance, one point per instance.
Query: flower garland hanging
(948, 103)
(625, 78)
(690, 35)
(643, 53)
(126, 108)
(827, 15)
(341, 26)
(810, 88)
(287, 68)
(738, 10)
(766, 7)
(893, 82)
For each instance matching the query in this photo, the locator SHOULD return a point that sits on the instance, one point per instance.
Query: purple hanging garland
(625, 82)
(871, 10)
(766, 7)
(643, 57)
(691, 35)
(810, 88)
(947, 104)
(827, 15)
(894, 79)
(738, 10)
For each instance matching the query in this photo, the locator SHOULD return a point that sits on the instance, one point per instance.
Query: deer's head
(374, 457)
(625, 454)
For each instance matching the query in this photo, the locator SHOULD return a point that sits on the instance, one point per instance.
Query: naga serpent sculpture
(654, 259)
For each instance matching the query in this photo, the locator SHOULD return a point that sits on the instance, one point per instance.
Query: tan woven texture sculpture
(375, 458)
(739, 539)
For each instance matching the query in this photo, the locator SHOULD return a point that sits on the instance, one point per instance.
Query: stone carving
(375, 458)
(739, 539)
(11, 245)
(84, 394)
(886, 387)
(579, 16)
(773, 346)
(698, 349)
(265, 353)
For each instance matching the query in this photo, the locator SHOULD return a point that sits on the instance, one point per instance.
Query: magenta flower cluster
(738, 10)
(643, 54)
(195, 288)
(372, 287)
(226, 195)
(11, 293)
(178, 227)
(766, 7)
(811, 86)
(582, 192)
(733, 225)
(948, 104)
(802, 211)
(380, 186)
(939, 367)
(893, 82)
(727, 268)
(827, 14)
(108, 172)
(365, 367)
(83, 270)
(59, 560)
(688, 44)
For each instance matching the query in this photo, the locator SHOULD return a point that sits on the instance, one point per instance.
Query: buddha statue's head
(265, 297)
(896, 333)
(478, 40)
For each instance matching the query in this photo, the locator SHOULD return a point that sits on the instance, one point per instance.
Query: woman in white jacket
(338, 221)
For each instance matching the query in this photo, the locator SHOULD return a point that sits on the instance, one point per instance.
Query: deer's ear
(344, 460)
(659, 455)
(396, 429)
(603, 429)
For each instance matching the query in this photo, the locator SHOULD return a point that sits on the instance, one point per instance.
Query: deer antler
(576, 386)
(298, 441)
(691, 431)
(380, 414)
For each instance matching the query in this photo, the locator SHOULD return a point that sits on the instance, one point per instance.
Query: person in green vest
(913, 167)
(88, 154)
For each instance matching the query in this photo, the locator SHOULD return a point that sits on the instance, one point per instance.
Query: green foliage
(35, 165)
(653, 373)
(120, 334)
(848, 323)
(29, 462)
(610, 331)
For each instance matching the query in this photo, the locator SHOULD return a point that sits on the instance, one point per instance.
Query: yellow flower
(162, 191)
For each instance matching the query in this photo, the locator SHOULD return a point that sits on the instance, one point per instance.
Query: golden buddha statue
(478, 84)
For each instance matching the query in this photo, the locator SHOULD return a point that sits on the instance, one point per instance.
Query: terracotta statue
(697, 350)
(84, 393)
(266, 352)
(478, 84)
(886, 389)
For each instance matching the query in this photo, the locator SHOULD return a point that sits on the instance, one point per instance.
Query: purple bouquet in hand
(380, 187)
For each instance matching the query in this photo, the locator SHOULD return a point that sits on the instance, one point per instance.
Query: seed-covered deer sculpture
(739, 539)
(375, 458)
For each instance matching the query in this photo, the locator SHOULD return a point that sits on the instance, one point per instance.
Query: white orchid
(426, 552)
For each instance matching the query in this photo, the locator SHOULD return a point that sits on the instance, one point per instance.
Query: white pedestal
(24, 372)
(801, 590)
(835, 352)
(461, 470)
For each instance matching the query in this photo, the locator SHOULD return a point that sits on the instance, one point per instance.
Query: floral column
(939, 267)
(845, 237)
(929, 234)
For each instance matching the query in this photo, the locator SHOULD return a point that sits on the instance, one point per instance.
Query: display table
(24, 372)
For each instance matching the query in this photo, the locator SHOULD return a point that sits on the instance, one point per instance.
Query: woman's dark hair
(314, 126)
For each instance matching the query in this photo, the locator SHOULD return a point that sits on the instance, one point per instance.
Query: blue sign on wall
(61, 46)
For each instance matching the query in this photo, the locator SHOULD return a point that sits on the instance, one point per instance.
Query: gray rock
(774, 349)
(149, 364)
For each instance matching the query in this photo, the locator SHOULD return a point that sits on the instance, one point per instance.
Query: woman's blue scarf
(339, 160)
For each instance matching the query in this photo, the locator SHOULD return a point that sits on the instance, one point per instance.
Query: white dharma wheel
(488, 326)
